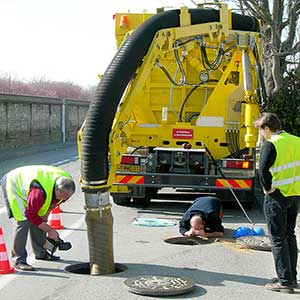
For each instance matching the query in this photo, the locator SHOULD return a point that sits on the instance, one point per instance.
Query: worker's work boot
(24, 266)
(48, 257)
(295, 284)
(277, 287)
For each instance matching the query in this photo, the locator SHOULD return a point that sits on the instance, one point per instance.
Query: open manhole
(190, 241)
(84, 268)
(154, 285)
(255, 242)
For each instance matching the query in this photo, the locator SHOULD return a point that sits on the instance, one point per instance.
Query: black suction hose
(94, 160)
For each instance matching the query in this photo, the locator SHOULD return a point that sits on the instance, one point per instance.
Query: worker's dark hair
(270, 120)
(65, 183)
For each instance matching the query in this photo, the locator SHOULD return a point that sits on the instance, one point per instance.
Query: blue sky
(63, 40)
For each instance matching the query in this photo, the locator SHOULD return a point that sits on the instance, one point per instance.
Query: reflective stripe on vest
(18, 183)
(286, 168)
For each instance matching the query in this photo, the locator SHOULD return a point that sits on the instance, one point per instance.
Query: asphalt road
(220, 270)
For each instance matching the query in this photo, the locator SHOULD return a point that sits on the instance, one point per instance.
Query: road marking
(7, 278)
(65, 161)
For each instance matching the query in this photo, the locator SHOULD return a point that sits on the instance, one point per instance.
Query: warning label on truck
(183, 133)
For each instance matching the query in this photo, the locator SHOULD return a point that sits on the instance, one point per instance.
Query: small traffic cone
(54, 220)
(5, 267)
(57, 209)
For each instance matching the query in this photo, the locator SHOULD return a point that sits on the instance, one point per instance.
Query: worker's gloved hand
(53, 234)
(190, 233)
(193, 232)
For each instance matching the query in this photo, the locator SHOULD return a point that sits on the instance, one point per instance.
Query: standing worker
(279, 170)
(203, 218)
(30, 193)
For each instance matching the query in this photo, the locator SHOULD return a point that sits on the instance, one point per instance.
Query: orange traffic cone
(54, 220)
(5, 267)
(57, 209)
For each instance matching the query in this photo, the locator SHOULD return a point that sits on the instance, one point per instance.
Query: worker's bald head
(197, 222)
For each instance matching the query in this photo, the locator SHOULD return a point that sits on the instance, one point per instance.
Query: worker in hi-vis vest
(30, 193)
(279, 173)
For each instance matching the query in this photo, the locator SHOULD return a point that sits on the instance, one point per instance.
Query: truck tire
(142, 201)
(121, 200)
(150, 193)
(247, 198)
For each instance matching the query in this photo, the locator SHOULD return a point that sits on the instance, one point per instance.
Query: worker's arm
(266, 161)
(184, 226)
(211, 234)
(35, 201)
(52, 233)
(191, 232)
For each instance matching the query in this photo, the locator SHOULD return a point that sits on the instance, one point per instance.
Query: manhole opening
(189, 241)
(84, 268)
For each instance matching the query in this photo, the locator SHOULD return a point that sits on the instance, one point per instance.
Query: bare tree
(280, 33)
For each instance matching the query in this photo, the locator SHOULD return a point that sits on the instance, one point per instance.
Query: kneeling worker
(30, 193)
(203, 218)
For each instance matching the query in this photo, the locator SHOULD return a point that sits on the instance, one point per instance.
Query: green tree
(280, 34)
(286, 103)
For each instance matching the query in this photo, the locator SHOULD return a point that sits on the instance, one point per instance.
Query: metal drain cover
(255, 242)
(154, 285)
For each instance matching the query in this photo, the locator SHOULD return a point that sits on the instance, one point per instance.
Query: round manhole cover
(255, 242)
(151, 285)
(191, 241)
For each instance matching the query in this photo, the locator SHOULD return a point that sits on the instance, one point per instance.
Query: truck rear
(186, 118)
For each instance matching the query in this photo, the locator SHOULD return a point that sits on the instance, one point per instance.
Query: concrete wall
(30, 120)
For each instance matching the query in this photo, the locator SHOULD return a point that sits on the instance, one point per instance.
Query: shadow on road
(197, 275)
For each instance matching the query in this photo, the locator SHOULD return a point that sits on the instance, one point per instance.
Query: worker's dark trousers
(38, 238)
(281, 214)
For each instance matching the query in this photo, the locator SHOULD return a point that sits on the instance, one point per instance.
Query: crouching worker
(203, 218)
(30, 193)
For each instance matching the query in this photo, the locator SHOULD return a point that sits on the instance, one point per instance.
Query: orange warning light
(124, 21)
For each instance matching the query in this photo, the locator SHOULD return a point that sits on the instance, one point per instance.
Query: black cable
(168, 75)
(233, 193)
(262, 90)
(185, 100)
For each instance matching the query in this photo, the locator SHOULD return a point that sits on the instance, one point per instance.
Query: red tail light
(130, 160)
(237, 164)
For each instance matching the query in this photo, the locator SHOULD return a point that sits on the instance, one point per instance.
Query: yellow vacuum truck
(176, 107)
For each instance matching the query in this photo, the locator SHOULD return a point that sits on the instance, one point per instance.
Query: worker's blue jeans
(281, 214)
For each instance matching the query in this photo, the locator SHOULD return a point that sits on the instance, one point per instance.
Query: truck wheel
(121, 200)
(247, 199)
(150, 193)
(142, 201)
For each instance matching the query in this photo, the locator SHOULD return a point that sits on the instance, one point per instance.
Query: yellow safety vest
(286, 168)
(19, 181)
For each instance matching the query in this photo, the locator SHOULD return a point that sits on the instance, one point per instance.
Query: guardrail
(30, 120)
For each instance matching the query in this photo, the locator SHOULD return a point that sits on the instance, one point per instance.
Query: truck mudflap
(160, 180)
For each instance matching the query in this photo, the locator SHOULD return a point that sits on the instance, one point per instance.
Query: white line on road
(7, 278)
(65, 161)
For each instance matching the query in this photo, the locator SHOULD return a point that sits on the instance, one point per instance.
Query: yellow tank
(186, 118)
